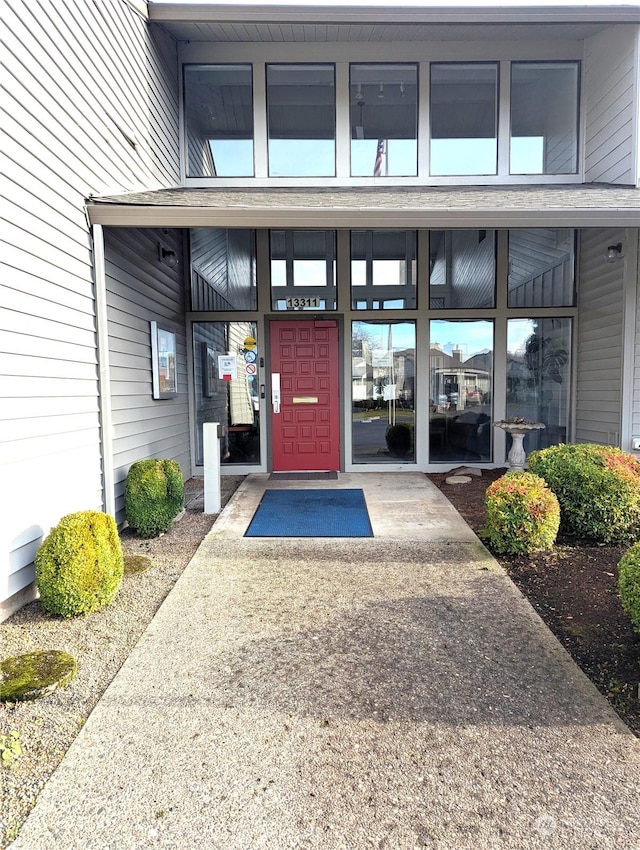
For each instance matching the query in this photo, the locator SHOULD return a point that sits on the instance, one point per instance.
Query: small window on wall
(303, 269)
(462, 269)
(218, 110)
(223, 269)
(542, 267)
(225, 355)
(464, 119)
(383, 270)
(384, 120)
(301, 117)
(544, 117)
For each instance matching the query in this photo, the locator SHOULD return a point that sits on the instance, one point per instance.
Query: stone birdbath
(518, 428)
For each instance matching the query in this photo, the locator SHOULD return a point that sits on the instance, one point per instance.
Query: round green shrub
(153, 495)
(598, 488)
(629, 584)
(79, 566)
(523, 515)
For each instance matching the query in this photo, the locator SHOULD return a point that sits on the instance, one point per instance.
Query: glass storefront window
(225, 391)
(460, 391)
(218, 111)
(541, 267)
(462, 267)
(303, 269)
(383, 270)
(383, 358)
(539, 377)
(544, 117)
(464, 119)
(301, 116)
(223, 269)
(384, 120)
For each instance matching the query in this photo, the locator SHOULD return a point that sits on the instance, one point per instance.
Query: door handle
(275, 391)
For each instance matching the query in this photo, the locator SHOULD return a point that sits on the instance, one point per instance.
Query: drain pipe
(104, 378)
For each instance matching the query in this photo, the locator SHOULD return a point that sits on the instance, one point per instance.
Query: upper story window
(544, 117)
(464, 119)
(384, 120)
(218, 109)
(301, 116)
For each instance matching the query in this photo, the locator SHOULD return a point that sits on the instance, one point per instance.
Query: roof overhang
(593, 205)
(390, 13)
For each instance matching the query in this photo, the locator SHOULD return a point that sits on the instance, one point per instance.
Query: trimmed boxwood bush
(153, 495)
(629, 584)
(598, 488)
(523, 515)
(79, 566)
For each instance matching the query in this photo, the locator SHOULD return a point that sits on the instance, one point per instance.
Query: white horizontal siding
(600, 340)
(140, 289)
(610, 78)
(77, 78)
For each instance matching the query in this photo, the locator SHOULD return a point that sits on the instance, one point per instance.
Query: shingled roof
(577, 205)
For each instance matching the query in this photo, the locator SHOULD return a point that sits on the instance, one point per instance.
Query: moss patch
(136, 564)
(35, 674)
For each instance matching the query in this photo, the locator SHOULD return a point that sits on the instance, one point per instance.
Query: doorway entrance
(305, 395)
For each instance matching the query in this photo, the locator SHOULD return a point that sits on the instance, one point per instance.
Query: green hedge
(79, 566)
(598, 488)
(629, 584)
(153, 495)
(523, 515)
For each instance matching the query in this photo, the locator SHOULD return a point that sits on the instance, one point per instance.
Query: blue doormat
(311, 513)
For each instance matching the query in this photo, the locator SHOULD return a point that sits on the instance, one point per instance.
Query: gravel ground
(100, 643)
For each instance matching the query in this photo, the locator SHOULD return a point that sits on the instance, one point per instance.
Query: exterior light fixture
(381, 91)
(614, 252)
(167, 256)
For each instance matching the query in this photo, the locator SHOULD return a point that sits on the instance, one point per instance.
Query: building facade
(354, 237)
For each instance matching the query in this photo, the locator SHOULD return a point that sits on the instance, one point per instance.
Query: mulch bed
(573, 587)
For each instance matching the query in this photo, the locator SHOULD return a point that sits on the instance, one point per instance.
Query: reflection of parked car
(474, 396)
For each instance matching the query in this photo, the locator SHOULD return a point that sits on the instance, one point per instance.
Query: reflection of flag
(377, 168)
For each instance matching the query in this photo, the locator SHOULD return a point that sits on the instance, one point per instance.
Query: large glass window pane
(223, 269)
(544, 117)
(383, 270)
(227, 391)
(541, 267)
(301, 118)
(539, 377)
(384, 120)
(464, 119)
(460, 391)
(383, 357)
(303, 269)
(218, 109)
(462, 267)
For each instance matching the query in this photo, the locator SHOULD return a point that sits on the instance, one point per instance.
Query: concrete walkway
(395, 692)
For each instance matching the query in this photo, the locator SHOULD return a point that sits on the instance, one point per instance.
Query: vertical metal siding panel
(75, 75)
(610, 83)
(600, 326)
(139, 290)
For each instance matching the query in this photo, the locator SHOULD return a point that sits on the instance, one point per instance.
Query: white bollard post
(211, 458)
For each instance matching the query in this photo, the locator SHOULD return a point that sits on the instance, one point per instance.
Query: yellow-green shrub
(598, 488)
(629, 584)
(153, 495)
(523, 515)
(79, 566)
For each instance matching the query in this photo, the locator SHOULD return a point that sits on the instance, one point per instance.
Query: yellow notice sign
(249, 343)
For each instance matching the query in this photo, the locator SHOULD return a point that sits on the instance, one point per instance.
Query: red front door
(305, 424)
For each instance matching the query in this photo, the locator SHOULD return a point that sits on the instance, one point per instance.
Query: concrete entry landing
(400, 504)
